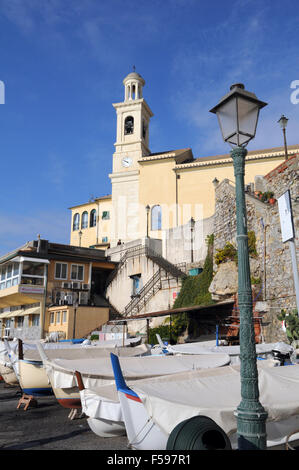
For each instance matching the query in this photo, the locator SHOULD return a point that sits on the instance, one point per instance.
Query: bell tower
(132, 143)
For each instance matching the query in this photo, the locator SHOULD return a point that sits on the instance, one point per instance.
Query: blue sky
(63, 62)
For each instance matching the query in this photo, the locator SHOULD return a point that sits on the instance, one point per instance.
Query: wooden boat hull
(33, 378)
(68, 397)
(8, 375)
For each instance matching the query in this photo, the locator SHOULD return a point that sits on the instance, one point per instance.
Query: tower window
(144, 129)
(76, 222)
(84, 222)
(93, 218)
(156, 218)
(129, 125)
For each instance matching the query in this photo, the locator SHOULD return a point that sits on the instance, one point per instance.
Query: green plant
(162, 330)
(252, 243)
(228, 252)
(94, 337)
(255, 280)
(292, 324)
(194, 291)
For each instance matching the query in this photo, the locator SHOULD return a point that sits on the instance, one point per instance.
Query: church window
(156, 218)
(129, 125)
(76, 222)
(105, 215)
(84, 222)
(93, 218)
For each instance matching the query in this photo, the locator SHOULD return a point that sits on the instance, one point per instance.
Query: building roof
(180, 156)
(251, 155)
(57, 251)
(95, 200)
(219, 307)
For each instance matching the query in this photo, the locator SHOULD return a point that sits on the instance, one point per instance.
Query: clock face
(126, 162)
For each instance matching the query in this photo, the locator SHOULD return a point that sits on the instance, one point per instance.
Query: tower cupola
(133, 86)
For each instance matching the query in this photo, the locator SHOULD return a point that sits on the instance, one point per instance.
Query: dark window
(84, 223)
(129, 125)
(156, 218)
(76, 222)
(93, 218)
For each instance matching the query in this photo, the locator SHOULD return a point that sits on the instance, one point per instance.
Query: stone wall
(273, 262)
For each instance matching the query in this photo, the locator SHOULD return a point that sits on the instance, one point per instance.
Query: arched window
(84, 221)
(76, 221)
(129, 125)
(93, 218)
(156, 218)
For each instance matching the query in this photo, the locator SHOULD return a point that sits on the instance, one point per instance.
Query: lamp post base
(251, 429)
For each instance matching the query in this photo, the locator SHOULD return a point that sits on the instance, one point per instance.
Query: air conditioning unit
(66, 285)
(83, 298)
(85, 286)
(76, 285)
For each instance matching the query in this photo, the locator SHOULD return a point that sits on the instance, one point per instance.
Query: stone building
(271, 266)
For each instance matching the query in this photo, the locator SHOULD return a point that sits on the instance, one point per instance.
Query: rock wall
(273, 263)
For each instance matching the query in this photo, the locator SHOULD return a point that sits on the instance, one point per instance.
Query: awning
(21, 312)
(19, 259)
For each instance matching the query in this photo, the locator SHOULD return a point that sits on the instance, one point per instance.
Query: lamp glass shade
(238, 113)
(238, 120)
(283, 121)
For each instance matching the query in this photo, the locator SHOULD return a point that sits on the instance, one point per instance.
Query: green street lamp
(283, 121)
(237, 114)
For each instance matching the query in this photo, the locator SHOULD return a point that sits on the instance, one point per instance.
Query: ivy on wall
(194, 291)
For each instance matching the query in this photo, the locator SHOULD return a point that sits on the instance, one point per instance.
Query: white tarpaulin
(98, 371)
(216, 393)
(262, 349)
(101, 403)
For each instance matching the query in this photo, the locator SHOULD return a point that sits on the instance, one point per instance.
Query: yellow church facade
(154, 192)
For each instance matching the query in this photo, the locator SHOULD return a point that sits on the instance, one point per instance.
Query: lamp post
(80, 236)
(283, 121)
(147, 208)
(237, 114)
(192, 223)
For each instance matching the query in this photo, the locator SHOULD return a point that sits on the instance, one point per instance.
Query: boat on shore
(153, 408)
(28, 365)
(97, 372)
(263, 350)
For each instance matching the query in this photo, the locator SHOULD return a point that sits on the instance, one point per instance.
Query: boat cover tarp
(216, 393)
(98, 371)
(102, 402)
(262, 349)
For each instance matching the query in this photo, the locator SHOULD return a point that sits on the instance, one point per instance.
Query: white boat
(98, 372)
(6, 369)
(263, 350)
(102, 408)
(28, 365)
(59, 368)
(153, 408)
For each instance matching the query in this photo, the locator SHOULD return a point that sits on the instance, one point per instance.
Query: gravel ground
(46, 427)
